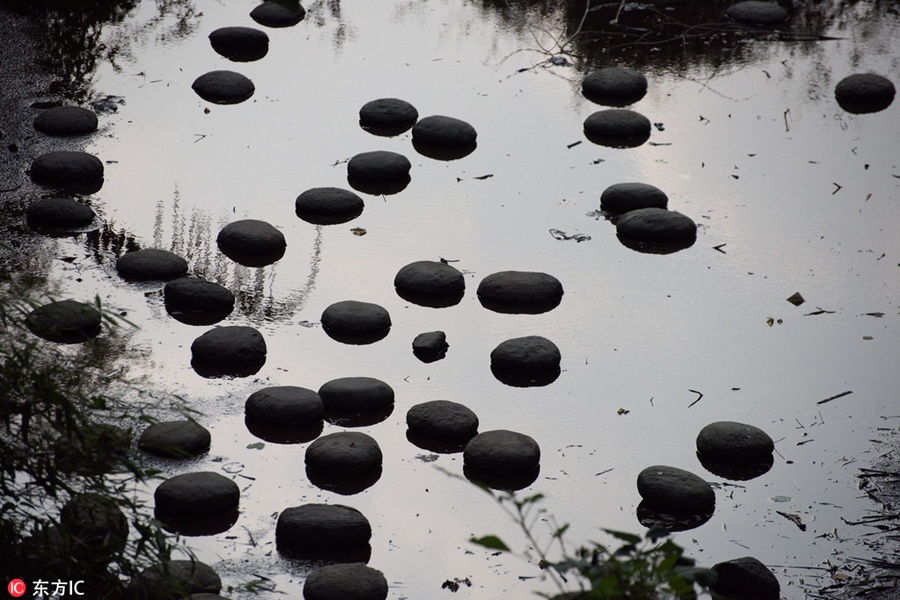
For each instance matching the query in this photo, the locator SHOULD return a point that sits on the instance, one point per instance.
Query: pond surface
(791, 194)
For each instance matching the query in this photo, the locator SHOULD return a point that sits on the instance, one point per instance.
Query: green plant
(652, 567)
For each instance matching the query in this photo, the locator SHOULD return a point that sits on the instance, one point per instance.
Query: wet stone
(223, 87)
(175, 439)
(317, 530)
(617, 128)
(344, 454)
(251, 242)
(745, 579)
(328, 206)
(197, 301)
(614, 86)
(526, 361)
(656, 225)
(354, 322)
(625, 197)
(174, 579)
(379, 169)
(673, 490)
(864, 93)
(285, 405)
(443, 138)
(151, 264)
(731, 441)
(67, 168)
(107, 445)
(502, 452)
(66, 121)
(240, 44)
(278, 14)
(430, 346)
(442, 420)
(430, 283)
(520, 292)
(234, 349)
(65, 322)
(755, 12)
(59, 213)
(96, 527)
(204, 493)
(387, 116)
(345, 582)
(356, 394)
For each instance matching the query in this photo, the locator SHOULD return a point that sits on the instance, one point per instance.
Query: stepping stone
(65, 322)
(223, 87)
(430, 283)
(614, 86)
(755, 12)
(321, 531)
(656, 225)
(520, 292)
(96, 528)
(196, 301)
(354, 322)
(735, 450)
(617, 128)
(251, 242)
(431, 346)
(625, 197)
(285, 406)
(151, 264)
(175, 439)
(442, 420)
(278, 14)
(345, 582)
(66, 121)
(526, 361)
(387, 116)
(344, 454)
(232, 350)
(502, 459)
(200, 494)
(174, 579)
(68, 168)
(864, 93)
(443, 138)
(356, 394)
(378, 172)
(672, 490)
(59, 213)
(240, 44)
(745, 579)
(328, 206)
(97, 449)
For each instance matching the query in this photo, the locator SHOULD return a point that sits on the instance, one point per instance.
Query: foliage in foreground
(652, 567)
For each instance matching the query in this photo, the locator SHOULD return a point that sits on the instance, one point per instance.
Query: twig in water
(835, 397)
(699, 395)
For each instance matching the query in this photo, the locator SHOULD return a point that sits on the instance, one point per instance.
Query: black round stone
(316, 530)
(278, 14)
(175, 439)
(430, 283)
(441, 131)
(520, 292)
(197, 301)
(354, 322)
(59, 213)
(379, 166)
(240, 44)
(502, 452)
(328, 206)
(151, 264)
(65, 321)
(614, 86)
(387, 116)
(223, 87)
(231, 350)
(344, 454)
(67, 168)
(672, 490)
(96, 527)
(174, 579)
(745, 579)
(656, 225)
(617, 128)
(755, 12)
(251, 242)
(737, 442)
(353, 581)
(864, 93)
(625, 197)
(204, 493)
(430, 346)
(526, 361)
(285, 405)
(442, 420)
(356, 394)
(66, 121)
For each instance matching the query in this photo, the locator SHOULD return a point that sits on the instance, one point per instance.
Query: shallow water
(796, 194)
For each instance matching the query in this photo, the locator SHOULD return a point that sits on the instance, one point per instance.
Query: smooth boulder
(355, 322)
(520, 292)
(97, 528)
(66, 121)
(502, 459)
(443, 138)
(68, 168)
(625, 197)
(745, 579)
(321, 530)
(614, 86)
(175, 439)
(223, 87)
(151, 264)
(65, 321)
(756, 12)
(356, 394)
(328, 206)
(617, 128)
(196, 301)
(673, 490)
(430, 346)
(352, 581)
(174, 579)
(344, 454)
(864, 93)
(442, 420)
(430, 283)
(387, 116)
(251, 242)
(240, 44)
(656, 225)
(278, 14)
(378, 172)
(236, 350)
(286, 405)
(59, 213)
(526, 361)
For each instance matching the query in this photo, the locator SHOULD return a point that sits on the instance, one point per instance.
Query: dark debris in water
(562, 235)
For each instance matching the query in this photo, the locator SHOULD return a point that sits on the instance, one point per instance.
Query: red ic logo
(16, 588)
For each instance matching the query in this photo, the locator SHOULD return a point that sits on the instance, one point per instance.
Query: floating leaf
(796, 299)
(490, 541)
(256, 446)
(358, 231)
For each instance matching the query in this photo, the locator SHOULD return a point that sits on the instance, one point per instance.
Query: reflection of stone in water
(648, 517)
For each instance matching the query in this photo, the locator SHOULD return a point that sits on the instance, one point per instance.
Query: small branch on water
(699, 395)
(835, 397)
